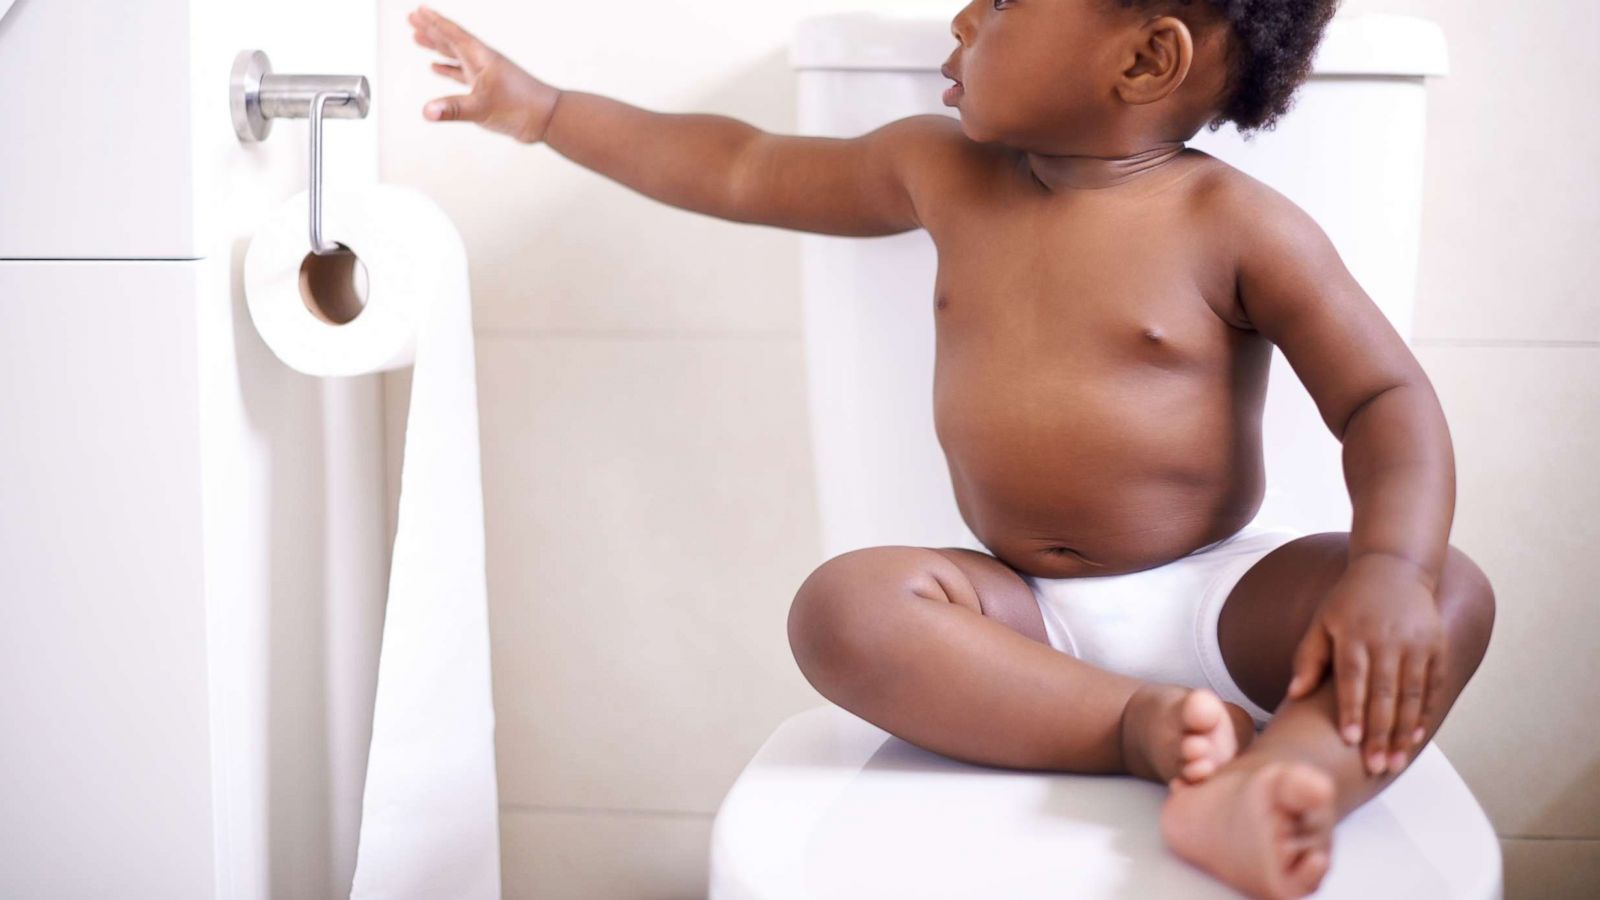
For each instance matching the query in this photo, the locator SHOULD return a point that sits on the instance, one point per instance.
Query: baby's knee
(1467, 605)
(850, 606)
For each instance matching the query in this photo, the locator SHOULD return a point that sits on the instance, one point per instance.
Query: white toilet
(831, 807)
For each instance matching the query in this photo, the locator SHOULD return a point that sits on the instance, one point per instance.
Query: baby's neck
(1085, 172)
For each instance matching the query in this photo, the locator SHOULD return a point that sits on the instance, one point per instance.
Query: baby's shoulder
(1254, 234)
(937, 148)
(1231, 198)
(949, 173)
(1252, 222)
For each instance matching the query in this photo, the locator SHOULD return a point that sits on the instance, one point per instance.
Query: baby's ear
(1156, 60)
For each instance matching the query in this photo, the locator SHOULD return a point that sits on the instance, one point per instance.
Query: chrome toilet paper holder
(257, 96)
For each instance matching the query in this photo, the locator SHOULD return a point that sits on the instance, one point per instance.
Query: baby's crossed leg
(1299, 777)
(946, 648)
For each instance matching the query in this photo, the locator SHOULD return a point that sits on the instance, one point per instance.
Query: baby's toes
(1196, 746)
(1307, 793)
(1199, 769)
(1199, 756)
(1307, 872)
(1209, 739)
(1202, 711)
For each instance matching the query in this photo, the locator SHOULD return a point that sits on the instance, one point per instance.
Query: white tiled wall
(646, 451)
(1509, 332)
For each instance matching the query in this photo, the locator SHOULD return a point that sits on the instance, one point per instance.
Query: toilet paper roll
(429, 824)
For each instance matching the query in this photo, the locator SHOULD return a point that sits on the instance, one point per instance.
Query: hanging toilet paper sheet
(429, 824)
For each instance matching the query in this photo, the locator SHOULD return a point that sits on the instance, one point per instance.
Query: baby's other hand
(503, 98)
(1379, 625)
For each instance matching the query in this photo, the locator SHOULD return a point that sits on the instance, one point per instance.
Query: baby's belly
(1061, 475)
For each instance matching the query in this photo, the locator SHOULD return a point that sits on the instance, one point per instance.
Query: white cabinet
(105, 785)
(191, 534)
(95, 137)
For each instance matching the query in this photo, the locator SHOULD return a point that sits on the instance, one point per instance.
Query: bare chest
(1101, 316)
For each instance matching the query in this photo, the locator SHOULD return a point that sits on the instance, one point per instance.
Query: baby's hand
(1377, 619)
(503, 98)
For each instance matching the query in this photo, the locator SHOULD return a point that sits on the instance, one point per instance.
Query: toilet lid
(833, 807)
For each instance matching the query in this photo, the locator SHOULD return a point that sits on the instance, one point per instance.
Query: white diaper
(1159, 624)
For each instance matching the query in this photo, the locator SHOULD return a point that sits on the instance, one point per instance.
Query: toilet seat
(834, 808)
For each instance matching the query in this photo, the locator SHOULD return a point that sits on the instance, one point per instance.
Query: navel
(1153, 335)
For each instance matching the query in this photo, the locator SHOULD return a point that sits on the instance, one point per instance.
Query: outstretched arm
(726, 168)
(1379, 625)
(711, 164)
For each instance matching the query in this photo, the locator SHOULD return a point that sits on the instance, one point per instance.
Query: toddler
(1106, 303)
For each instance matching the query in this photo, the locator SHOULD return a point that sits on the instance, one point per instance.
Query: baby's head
(1103, 76)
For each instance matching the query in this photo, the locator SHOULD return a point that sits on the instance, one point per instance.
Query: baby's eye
(998, 3)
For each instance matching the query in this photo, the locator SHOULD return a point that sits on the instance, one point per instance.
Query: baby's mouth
(954, 91)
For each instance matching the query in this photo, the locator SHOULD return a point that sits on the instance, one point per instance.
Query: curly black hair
(1270, 49)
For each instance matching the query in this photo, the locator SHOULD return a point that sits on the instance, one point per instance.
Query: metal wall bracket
(257, 96)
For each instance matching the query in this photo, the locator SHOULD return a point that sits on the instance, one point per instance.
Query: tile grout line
(1547, 837)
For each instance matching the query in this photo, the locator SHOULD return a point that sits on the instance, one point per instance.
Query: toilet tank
(1350, 153)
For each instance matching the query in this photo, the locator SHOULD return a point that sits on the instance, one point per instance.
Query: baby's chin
(979, 128)
(973, 127)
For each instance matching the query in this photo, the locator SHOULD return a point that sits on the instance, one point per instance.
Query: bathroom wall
(648, 492)
(1508, 331)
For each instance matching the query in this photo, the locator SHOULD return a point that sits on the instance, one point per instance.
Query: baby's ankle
(1148, 701)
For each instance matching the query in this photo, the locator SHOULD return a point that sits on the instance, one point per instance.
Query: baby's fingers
(425, 36)
(1433, 698)
(1413, 685)
(463, 45)
(1351, 671)
(1382, 694)
(1310, 658)
(460, 108)
(451, 70)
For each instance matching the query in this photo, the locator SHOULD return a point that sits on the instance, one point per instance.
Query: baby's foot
(1265, 828)
(1173, 732)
